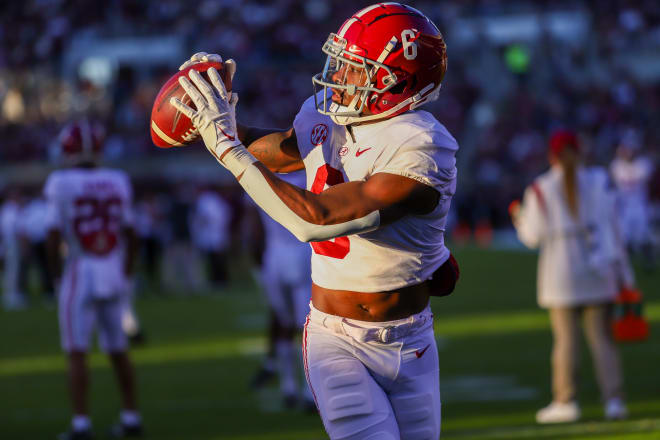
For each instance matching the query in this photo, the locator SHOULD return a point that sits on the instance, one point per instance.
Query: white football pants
(79, 313)
(374, 380)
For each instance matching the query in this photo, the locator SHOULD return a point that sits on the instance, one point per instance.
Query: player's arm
(344, 209)
(276, 149)
(389, 195)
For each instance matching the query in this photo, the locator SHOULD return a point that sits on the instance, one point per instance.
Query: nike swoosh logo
(419, 354)
(359, 152)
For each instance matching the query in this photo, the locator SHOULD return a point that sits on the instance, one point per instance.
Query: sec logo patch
(343, 151)
(319, 134)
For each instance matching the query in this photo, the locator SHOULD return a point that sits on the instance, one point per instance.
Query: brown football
(169, 127)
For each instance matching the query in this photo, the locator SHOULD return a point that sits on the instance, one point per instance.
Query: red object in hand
(629, 324)
(169, 127)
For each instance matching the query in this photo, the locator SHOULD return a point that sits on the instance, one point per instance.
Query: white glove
(214, 116)
(203, 57)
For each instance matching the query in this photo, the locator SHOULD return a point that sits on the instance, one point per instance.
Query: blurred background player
(34, 227)
(13, 245)
(568, 214)
(89, 211)
(209, 227)
(631, 170)
(285, 278)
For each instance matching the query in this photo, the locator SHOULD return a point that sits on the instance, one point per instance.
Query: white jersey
(90, 207)
(414, 145)
(577, 256)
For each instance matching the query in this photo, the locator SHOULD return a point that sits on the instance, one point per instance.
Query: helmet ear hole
(399, 88)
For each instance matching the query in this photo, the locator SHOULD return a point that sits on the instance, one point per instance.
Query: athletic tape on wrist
(255, 184)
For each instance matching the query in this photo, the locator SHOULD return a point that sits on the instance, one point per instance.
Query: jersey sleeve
(428, 155)
(54, 216)
(312, 128)
(429, 164)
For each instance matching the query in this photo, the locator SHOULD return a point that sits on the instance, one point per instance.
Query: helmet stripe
(345, 27)
(367, 9)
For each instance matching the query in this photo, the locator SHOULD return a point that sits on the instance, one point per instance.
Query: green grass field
(202, 350)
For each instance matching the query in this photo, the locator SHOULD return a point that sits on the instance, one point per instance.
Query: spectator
(567, 213)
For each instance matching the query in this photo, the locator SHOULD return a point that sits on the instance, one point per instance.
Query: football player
(380, 178)
(631, 171)
(89, 209)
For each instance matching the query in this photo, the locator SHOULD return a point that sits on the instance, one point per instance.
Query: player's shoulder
(417, 128)
(57, 180)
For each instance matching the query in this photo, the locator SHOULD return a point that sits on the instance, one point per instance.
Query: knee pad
(345, 390)
(349, 402)
(417, 417)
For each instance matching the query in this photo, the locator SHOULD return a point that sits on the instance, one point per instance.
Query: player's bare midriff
(372, 306)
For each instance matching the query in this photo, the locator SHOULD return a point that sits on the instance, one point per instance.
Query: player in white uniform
(380, 179)
(11, 236)
(89, 208)
(631, 172)
(209, 229)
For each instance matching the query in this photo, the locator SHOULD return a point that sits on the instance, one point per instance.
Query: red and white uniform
(380, 378)
(90, 207)
(413, 145)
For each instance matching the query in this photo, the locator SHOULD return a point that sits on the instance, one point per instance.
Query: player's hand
(214, 116)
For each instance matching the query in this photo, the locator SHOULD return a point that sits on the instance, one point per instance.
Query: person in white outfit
(631, 172)
(14, 246)
(89, 209)
(381, 174)
(568, 214)
(209, 228)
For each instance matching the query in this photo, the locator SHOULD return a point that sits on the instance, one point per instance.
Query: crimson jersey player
(89, 208)
(380, 178)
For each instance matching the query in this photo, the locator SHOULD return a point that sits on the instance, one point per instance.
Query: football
(169, 127)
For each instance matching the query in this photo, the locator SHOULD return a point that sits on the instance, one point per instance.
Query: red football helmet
(402, 54)
(81, 140)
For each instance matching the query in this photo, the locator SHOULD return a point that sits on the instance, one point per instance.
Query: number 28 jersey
(89, 207)
(414, 145)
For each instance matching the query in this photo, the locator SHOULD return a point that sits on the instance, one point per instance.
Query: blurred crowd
(517, 71)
